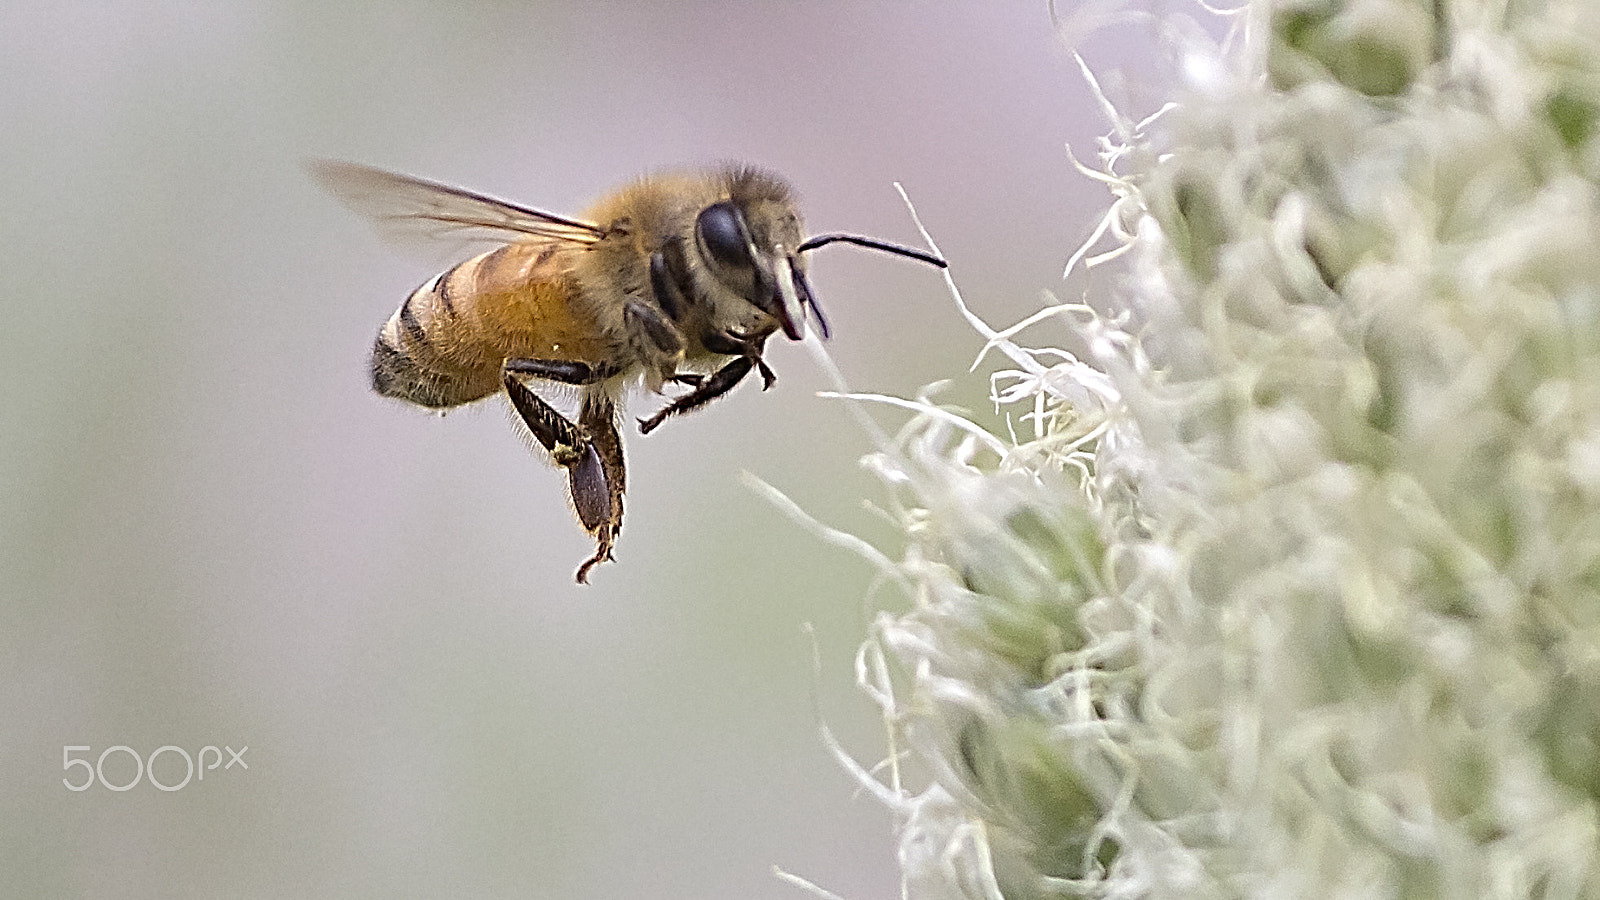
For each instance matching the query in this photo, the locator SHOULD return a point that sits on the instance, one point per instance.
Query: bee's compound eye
(723, 234)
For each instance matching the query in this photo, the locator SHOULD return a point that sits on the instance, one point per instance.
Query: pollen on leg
(567, 455)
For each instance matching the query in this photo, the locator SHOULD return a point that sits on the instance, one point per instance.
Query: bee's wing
(412, 211)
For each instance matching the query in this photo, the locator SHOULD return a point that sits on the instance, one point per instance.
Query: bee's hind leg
(590, 451)
(599, 418)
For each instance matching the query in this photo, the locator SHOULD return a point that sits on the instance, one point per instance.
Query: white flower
(1291, 586)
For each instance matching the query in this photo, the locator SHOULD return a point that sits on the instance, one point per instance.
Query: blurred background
(215, 535)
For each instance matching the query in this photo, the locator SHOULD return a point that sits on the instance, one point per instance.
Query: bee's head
(752, 244)
(749, 242)
(750, 249)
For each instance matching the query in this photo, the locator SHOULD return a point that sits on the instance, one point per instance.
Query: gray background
(214, 534)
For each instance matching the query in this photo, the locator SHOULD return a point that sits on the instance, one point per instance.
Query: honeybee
(674, 279)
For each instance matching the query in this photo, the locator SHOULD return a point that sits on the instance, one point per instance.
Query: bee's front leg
(747, 356)
(720, 382)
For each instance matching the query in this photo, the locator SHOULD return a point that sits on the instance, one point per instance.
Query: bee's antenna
(813, 243)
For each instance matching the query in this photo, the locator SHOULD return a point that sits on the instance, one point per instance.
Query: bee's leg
(719, 342)
(768, 377)
(608, 474)
(710, 389)
(591, 453)
(643, 319)
(569, 444)
(566, 371)
(564, 440)
(669, 282)
(653, 339)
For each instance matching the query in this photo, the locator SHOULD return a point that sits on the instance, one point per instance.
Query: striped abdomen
(409, 358)
(445, 344)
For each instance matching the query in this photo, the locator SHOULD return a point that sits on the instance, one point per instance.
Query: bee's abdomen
(412, 359)
(395, 373)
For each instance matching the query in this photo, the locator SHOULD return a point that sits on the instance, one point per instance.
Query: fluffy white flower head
(1286, 582)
